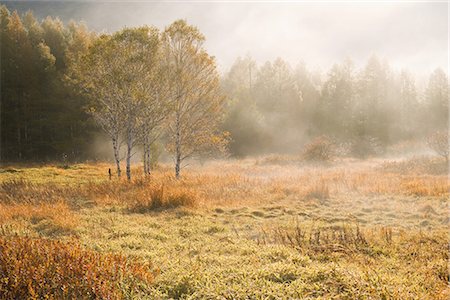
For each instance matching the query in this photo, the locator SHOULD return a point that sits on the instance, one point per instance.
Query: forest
(269, 108)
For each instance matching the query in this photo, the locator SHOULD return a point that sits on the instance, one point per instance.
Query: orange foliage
(46, 269)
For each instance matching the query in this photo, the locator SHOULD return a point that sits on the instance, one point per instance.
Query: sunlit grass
(259, 227)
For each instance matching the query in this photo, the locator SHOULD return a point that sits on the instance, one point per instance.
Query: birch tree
(95, 73)
(153, 117)
(118, 73)
(156, 109)
(195, 93)
(140, 49)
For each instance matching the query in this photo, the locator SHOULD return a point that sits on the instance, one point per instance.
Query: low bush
(438, 142)
(47, 269)
(320, 149)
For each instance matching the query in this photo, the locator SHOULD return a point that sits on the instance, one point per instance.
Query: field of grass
(267, 228)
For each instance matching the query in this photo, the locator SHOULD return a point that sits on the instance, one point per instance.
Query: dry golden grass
(389, 184)
(160, 198)
(23, 191)
(204, 230)
(420, 165)
(48, 219)
(352, 240)
(225, 183)
(318, 191)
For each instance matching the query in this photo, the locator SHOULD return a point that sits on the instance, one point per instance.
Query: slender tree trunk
(177, 166)
(117, 156)
(145, 159)
(149, 157)
(177, 148)
(129, 148)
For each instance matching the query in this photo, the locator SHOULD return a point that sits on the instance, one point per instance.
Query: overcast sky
(409, 35)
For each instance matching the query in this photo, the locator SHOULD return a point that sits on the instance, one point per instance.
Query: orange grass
(52, 219)
(231, 182)
(158, 198)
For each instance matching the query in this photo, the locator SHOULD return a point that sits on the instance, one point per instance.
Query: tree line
(63, 85)
(41, 117)
(277, 108)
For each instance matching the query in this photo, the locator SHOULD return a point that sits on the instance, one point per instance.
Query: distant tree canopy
(272, 107)
(277, 108)
(41, 117)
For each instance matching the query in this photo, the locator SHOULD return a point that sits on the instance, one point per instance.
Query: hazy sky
(409, 35)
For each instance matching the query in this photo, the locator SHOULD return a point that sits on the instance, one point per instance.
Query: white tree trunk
(177, 148)
(129, 148)
(147, 157)
(117, 156)
(149, 162)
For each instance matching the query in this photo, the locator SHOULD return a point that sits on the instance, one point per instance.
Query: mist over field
(224, 150)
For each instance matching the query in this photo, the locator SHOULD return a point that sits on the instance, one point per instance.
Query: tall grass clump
(48, 269)
(19, 190)
(415, 248)
(318, 190)
(163, 197)
(337, 239)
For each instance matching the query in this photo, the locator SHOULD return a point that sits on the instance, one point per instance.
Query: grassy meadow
(273, 227)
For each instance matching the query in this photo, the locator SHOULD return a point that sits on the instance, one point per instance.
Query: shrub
(320, 149)
(46, 269)
(438, 142)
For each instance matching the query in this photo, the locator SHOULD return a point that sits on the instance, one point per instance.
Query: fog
(365, 76)
(409, 35)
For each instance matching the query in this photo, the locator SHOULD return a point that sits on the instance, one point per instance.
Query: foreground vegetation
(41, 268)
(273, 227)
